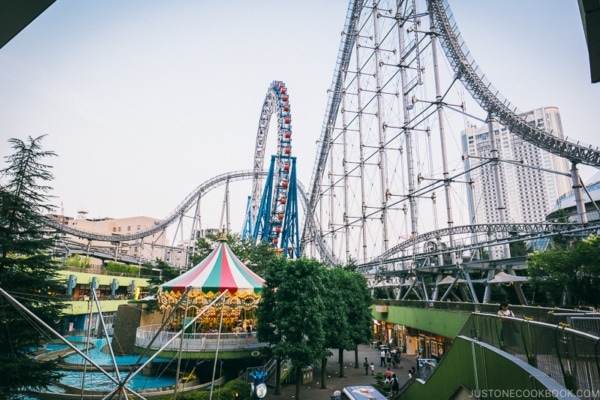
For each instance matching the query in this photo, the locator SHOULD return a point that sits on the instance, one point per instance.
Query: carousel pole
(212, 386)
(183, 326)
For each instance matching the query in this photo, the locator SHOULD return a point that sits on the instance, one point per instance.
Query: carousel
(209, 309)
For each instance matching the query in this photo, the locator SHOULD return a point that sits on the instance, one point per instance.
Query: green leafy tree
(27, 272)
(204, 245)
(347, 317)
(166, 272)
(296, 310)
(78, 261)
(267, 329)
(568, 275)
(336, 324)
(359, 300)
(116, 267)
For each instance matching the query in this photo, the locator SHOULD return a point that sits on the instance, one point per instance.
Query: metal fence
(568, 356)
(196, 342)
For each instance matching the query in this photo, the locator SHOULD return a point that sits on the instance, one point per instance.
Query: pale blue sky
(145, 100)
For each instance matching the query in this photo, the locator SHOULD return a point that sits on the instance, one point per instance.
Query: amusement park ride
(380, 182)
(275, 219)
(372, 194)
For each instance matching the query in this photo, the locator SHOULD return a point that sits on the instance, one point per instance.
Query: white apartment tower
(529, 190)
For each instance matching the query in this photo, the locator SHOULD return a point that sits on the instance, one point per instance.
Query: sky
(143, 101)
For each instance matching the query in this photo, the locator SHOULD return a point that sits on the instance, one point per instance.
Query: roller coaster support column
(576, 180)
(262, 225)
(290, 236)
(499, 201)
(248, 229)
(277, 218)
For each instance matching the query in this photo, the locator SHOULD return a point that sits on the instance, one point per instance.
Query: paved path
(352, 376)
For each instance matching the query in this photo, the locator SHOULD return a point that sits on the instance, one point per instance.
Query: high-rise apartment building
(531, 179)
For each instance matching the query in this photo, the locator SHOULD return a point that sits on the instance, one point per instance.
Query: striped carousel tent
(218, 272)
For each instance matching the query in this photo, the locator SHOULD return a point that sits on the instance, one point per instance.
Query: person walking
(388, 357)
(382, 358)
(397, 359)
(366, 365)
(388, 375)
(395, 385)
(372, 369)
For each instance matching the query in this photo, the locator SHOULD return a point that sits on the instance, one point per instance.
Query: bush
(117, 267)
(234, 389)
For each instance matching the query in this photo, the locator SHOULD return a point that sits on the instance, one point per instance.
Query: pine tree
(27, 271)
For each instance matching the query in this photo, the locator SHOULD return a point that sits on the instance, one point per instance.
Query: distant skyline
(145, 100)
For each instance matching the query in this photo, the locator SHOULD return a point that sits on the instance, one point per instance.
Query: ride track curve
(179, 211)
(466, 71)
(190, 201)
(277, 102)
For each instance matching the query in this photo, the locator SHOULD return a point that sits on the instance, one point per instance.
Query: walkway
(353, 376)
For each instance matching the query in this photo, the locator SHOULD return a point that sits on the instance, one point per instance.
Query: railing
(553, 316)
(196, 342)
(568, 356)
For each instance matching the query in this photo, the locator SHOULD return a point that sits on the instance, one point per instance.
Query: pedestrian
(366, 365)
(395, 385)
(382, 358)
(388, 357)
(397, 359)
(372, 369)
(388, 375)
(412, 373)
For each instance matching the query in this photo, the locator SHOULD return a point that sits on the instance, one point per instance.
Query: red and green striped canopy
(219, 271)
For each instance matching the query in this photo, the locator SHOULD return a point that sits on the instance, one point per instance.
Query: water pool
(98, 352)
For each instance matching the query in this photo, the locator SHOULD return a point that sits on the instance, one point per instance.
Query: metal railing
(568, 356)
(196, 342)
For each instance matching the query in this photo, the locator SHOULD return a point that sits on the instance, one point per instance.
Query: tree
(336, 325)
(27, 272)
(568, 275)
(203, 249)
(78, 261)
(360, 319)
(267, 329)
(348, 317)
(291, 314)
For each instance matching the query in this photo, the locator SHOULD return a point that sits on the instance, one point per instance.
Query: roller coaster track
(179, 211)
(470, 75)
(185, 205)
(489, 99)
(466, 70)
(333, 106)
(524, 230)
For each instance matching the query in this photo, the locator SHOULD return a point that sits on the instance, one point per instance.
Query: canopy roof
(503, 277)
(219, 271)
